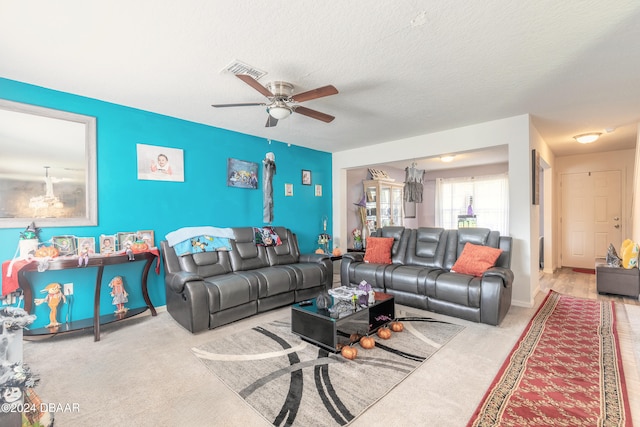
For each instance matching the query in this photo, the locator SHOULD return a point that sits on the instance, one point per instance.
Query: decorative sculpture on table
(119, 294)
(268, 170)
(53, 298)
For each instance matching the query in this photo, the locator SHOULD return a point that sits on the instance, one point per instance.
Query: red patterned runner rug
(564, 370)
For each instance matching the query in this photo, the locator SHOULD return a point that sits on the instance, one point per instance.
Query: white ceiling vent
(237, 67)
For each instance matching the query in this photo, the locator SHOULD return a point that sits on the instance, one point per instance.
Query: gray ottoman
(617, 280)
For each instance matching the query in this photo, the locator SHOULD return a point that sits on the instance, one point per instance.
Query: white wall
(513, 131)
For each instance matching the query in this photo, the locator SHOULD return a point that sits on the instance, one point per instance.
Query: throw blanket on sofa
(185, 233)
(202, 243)
(190, 240)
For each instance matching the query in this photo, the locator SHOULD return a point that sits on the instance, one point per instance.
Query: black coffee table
(316, 325)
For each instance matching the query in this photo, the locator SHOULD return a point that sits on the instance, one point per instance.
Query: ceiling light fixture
(279, 110)
(446, 159)
(587, 138)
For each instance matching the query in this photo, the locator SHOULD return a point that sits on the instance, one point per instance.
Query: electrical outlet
(68, 288)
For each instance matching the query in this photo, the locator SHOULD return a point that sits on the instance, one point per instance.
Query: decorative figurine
(119, 294)
(54, 295)
(129, 250)
(83, 254)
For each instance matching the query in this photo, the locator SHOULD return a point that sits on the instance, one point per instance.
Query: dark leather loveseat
(420, 273)
(209, 289)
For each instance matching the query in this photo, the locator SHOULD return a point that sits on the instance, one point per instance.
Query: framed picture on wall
(160, 163)
(124, 237)
(242, 174)
(86, 246)
(147, 237)
(66, 245)
(288, 189)
(535, 177)
(318, 190)
(108, 243)
(306, 177)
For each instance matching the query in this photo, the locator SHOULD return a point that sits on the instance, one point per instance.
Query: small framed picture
(288, 189)
(66, 245)
(86, 246)
(306, 177)
(124, 237)
(108, 244)
(318, 190)
(147, 237)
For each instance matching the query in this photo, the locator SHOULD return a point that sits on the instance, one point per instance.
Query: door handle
(616, 226)
(615, 218)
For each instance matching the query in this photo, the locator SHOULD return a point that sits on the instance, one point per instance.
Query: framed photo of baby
(160, 163)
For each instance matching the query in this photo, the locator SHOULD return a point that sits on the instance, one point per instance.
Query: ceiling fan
(282, 101)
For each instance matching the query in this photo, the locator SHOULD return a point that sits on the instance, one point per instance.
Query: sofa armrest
(176, 281)
(324, 261)
(348, 259)
(313, 257)
(354, 256)
(503, 273)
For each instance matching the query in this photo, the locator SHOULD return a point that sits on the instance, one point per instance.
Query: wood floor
(582, 285)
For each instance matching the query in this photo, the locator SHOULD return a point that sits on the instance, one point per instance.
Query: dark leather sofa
(209, 289)
(420, 273)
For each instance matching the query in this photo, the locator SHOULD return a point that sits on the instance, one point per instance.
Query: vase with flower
(357, 238)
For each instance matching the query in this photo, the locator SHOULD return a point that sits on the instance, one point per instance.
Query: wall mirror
(47, 167)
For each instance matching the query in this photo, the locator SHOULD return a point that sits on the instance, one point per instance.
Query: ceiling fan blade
(254, 84)
(315, 93)
(314, 114)
(246, 104)
(271, 122)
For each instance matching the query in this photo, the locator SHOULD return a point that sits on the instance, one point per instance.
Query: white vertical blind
(490, 196)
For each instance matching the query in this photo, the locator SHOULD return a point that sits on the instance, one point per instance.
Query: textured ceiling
(402, 67)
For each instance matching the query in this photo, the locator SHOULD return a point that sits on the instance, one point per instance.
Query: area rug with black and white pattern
(291, 382)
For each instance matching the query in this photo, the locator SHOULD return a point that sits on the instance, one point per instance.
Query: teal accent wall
(128, 204)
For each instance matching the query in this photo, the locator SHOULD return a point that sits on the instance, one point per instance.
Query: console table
(98, 262)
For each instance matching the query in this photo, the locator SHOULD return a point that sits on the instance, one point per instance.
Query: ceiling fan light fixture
(587, 138)
(279, 111)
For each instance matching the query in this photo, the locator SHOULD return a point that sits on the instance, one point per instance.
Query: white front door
(591, 216)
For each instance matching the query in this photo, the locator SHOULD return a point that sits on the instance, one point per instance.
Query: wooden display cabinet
(384, 203)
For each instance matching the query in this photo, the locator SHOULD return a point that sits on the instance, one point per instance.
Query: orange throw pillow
(378, 250)
(476, 259)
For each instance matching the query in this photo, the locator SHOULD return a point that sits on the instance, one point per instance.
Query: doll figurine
(129, 251)
(119, 294)
(54, 295)
(83, 255)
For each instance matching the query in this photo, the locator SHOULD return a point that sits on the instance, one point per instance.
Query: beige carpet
(142, 373)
